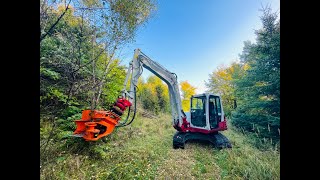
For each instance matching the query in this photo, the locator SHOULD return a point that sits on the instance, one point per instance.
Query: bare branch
(104, 74)
(53, 26)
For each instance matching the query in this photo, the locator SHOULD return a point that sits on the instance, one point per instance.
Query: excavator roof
(205, 94)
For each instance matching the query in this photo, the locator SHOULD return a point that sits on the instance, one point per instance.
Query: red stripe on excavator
(186, 127)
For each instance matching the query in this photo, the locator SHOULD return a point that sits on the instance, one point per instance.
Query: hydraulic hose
(127, 118)
(134, 111)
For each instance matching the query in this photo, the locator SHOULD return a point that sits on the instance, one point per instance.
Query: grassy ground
(144, 150)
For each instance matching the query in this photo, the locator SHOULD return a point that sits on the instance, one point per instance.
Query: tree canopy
(187, 91)
(79, 42)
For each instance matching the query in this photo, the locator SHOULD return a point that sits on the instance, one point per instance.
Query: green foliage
(70, 111)
(222, 82)
(153, 95)
(130, 14)
(148, 100)
(49, 73)
(59, 62)
(113, 84)
(77, 64)
(259, 90)
(162, 100)
(79, 69)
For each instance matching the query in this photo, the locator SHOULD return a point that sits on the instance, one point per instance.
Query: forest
(80, 68)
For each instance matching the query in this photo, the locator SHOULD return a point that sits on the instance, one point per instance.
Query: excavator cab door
(214, 111)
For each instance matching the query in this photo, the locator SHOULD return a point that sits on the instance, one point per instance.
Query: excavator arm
(140, 61)
(96, 124)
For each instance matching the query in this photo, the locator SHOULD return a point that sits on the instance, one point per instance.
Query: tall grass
(144, 150)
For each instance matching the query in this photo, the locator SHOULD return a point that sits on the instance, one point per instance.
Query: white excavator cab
(206, 111)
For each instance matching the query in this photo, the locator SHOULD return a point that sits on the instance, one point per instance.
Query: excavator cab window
(214, 111)
(198, 111)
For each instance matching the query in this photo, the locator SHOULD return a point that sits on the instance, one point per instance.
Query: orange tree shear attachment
(95, 124)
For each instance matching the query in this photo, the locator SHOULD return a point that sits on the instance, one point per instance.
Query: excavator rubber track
(218, 140)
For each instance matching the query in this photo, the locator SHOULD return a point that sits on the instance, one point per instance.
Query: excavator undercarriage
(217, 139)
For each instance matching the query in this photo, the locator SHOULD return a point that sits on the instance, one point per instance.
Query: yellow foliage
(221, 82)
(69, 17)
(154, 81)
(151, 84)
(246, 67)
(221, 73)
(62, 7)
(187, 91)
(260, 83)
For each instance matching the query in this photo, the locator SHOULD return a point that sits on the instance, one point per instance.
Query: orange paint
(88, 124)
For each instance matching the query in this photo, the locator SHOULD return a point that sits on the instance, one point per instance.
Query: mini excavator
(204, 121)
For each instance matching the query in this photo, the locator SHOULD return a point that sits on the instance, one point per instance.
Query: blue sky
(193, 37)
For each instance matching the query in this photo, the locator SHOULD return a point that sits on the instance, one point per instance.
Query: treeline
(153, 95)
(250, 88)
